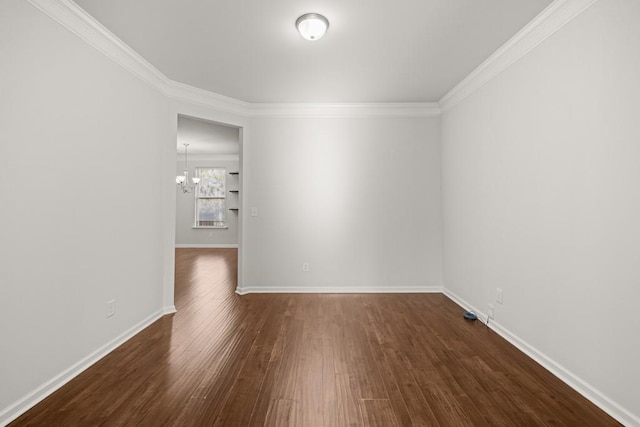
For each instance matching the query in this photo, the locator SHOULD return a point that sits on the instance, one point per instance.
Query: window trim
(196, 197)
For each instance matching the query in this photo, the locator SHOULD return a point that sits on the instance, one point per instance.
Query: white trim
(209, 157)
(76, 20)
(338, 290)
(193, 95)
(34, 397)
(207, 245)
(465, 305)
(210, 227)
(349, 110)
(585, 389)
(555, 16)
(80, 23)
(170, 309)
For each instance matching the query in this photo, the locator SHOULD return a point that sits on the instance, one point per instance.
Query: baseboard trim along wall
(588, 391)
(338, 290)
(31, 399)
(168, 310)
(207, 245)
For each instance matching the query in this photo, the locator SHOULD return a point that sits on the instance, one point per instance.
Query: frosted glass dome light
(312, 26)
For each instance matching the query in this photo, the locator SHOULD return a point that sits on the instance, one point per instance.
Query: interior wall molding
(209, 157)
(350, 110)
(192, 95)
(75, 19)
(554, 17)
(207, 245)
(585, 389)
(34, 397)
(170, 309)
(338, 290)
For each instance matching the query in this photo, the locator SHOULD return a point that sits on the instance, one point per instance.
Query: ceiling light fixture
(183, 180)
(312, 26)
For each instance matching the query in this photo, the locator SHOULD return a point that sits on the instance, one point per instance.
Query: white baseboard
(338, 290)
(170, 309)
(622, 415)
(585, 389)
(462, 303)
(207, 245)
(28, 401)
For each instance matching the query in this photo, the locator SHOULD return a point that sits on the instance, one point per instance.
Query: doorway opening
(208, 221)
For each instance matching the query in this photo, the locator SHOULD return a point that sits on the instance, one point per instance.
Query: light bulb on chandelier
(183, 180)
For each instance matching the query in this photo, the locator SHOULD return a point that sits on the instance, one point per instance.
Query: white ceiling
(374, 51)
(207, 138)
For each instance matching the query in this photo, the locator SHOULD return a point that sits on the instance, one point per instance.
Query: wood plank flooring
(310, 360)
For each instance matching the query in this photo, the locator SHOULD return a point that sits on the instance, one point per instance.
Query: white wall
(81, 178)
(541, 190)
(357, 198)
(186, 235)
(209, 113)
(538, 174)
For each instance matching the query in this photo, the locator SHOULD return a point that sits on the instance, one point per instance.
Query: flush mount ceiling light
(312, 26)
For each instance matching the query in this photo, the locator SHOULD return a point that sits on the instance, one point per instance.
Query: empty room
(319, 213)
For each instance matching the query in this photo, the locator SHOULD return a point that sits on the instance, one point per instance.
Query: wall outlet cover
(111, 308)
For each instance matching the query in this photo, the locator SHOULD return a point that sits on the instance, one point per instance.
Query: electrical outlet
(499, 295)
(254, 211)
(305, 266)
(212, 234)
(111, 308)
(490, 312)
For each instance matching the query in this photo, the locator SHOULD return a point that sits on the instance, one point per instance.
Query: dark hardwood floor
(310, 360)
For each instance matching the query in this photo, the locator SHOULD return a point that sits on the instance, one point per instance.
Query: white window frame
(197, 197)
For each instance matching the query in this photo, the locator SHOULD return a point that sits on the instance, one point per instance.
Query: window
(210, 198)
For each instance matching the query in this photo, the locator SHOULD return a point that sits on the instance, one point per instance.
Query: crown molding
(555, 16)
(184, 93)
(352, 110)
(83, 25)
(75, 19)
(209, 157)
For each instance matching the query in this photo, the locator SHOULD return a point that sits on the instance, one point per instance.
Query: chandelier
(183, 180)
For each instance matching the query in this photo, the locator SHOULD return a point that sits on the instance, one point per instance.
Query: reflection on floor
(310, 360)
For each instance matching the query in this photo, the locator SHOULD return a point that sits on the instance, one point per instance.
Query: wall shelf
(236, 210)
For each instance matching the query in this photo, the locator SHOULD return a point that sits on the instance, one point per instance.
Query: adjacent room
(277, 213)
(207, 212)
